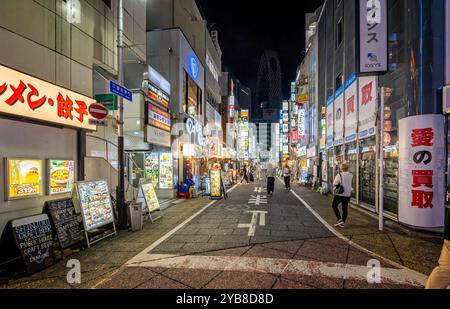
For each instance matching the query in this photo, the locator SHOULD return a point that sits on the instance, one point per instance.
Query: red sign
(158, 96)
(98, 111)
(295, 136)
(158, 118)
(27, 96)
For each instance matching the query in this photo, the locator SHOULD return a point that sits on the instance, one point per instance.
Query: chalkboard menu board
(34, 238)
(65, 221)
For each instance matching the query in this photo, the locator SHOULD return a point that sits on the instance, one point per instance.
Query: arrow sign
(98, 111)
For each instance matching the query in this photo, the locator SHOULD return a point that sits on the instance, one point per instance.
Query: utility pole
(120, 142)
(381, 161)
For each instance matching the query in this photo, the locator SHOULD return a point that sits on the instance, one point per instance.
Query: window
(192, 96)
(339, 81)
(339, 33)
(107, 2)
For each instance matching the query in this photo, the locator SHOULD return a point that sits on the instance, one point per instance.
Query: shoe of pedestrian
(340, 223)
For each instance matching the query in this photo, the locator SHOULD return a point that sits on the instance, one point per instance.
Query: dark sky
(247, 27)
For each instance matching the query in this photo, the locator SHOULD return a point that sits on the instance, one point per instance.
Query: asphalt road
(252, 241)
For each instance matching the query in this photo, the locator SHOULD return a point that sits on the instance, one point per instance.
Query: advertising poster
(216, 191)
(367, 105)
(61, 176)
(151, 200)
(95, 203)
(339, 114)
(422, 171)
(165, 170)
(351, 105)
(24, 178)
(330, 122)
(152, 167)
(158, 118)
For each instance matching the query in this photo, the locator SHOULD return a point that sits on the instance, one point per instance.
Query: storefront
(41, 143)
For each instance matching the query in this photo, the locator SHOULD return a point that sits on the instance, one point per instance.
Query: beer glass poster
(24, 178)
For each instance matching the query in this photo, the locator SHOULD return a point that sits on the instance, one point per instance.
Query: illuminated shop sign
(158, 118)
(158, 80)
(193, 67)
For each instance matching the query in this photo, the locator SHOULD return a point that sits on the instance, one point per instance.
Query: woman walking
(342, 194)
(287, 176)
(245, 173)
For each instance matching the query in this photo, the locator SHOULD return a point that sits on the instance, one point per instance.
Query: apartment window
(107, 2)
(192, 96)
(339, 33)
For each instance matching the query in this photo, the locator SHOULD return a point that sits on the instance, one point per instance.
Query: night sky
(247, 27)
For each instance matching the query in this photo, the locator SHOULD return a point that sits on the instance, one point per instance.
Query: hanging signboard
(373, 29)
(367, 106)
(351, 105)
(216, 192)
(65, 220)
(339, 115)
(422, 164)
(95, 204)
(330, 122)
(29, 97)
(301, 123)
(34, 238)
(24, 178)
(61, 176)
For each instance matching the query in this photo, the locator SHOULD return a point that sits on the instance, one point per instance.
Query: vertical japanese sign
(367, 105)
(339, 117)
(351, 105)
(373, 46)
(301, 123)
(330, 122)
(422, 171)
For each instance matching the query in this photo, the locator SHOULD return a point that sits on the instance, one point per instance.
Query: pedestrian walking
(342, 194)
(440, 277)
(245, 173)
(287, 176)
(223, 174)
(270, 179)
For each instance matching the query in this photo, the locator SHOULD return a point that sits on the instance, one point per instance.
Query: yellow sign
(24, 178)
(151, 200)
(61, 176)
(216, 191)
(302, 98)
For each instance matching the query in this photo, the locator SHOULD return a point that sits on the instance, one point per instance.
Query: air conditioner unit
(446, 100)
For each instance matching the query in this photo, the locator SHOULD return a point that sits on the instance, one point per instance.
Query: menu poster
(65, 221)
(61, 176)
(216, 191)
(165, 170)
(95, 203)
(34, 238)
(24, 178)
(151, 200)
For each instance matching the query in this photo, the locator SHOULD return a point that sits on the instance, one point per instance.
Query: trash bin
(136, 217)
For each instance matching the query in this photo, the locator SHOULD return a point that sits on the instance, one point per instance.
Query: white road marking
(145, 253)
(257, 199)
(252, 226)
(411, 272)
(281, 267)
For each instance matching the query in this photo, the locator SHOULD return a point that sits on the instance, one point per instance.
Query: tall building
(268, 90)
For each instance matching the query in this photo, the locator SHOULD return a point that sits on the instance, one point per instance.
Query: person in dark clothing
(440, 277)
(245, 175)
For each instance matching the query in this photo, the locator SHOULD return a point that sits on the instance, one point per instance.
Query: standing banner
(373, 30)
(351, 105)
(216, 186)
(339, 117)
(367, 106)
(422, 171)
(330, 122)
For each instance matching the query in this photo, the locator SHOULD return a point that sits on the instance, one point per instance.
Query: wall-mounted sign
(339, 115)
(367, 106)
(193, 67)
(232, 106)
(301, 123)
(351, 109)
(245, 115)
(330, 122)
(302, 151)
(157, 136)
(24, 178)
(285, 106)
(193, 127)
(422, 164)
(158, 96)
(311, 152)
(29, 97)
(158, 118)
(61, 176)
(158, 80)
(373, 27)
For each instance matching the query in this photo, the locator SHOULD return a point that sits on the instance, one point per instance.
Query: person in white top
(343, 179)
(270, 179)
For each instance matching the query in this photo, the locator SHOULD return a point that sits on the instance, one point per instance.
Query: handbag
(339, 189)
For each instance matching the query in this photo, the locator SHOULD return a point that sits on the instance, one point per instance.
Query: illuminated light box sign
(24, 178)
(29, 97)
(158, 96)
(158, 118)
(61, 176)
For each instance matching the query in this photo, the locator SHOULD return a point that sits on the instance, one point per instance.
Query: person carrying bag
(342, 194)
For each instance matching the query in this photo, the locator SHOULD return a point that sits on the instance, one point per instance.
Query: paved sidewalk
(106, 257)
(414, 250)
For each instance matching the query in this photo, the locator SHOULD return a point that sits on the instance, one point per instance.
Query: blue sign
(120, 91)
(193, 67)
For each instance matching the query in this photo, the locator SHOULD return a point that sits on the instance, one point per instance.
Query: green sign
(108, 100)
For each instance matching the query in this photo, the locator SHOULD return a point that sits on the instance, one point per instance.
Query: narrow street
(257, 242)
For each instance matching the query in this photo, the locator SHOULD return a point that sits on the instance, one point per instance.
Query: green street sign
(108, 100)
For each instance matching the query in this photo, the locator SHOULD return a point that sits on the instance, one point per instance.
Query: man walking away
(270, 179)
(440, 277)
(287, 176)
(245, 174)
(342, 194)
